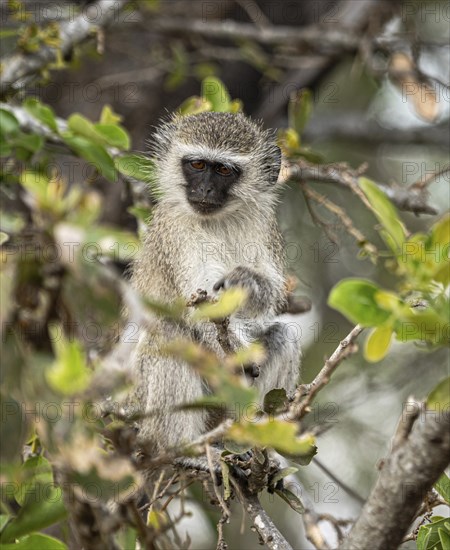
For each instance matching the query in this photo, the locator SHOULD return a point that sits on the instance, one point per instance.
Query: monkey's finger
(220, 284)
(252, 370)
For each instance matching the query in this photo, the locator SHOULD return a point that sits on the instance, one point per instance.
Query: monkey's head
(214, 163)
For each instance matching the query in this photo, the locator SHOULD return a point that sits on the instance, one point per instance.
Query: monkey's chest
(211, 259)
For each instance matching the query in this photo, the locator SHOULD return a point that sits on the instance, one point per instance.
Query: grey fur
(184, 251)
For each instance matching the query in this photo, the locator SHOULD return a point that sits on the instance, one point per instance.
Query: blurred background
(379, 73)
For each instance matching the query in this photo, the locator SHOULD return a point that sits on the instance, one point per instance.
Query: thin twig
(16, 67)
(223, 504)
(301, 404)
(426, 182)
(351, 492)
(343, 217)
(180, 490)
(412, 200)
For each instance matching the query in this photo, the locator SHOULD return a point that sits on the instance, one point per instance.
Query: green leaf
(253, 353)
(36, 514)
(36, 183)
(440, 232)
(444, 537)
(127, 538)
(93, 153)
(37, 473)
(236, 448)
(439, 397)
(292, 499)
(97, 486)
(194, 105)
(442, 486)
(275, 401)
(118, 244)
(423, 536)
(281, 474)
(82, 126)
(356, 299)
(102, 134)
(300, 109)
(108, 116)
(41, 112)
(5, 149)
(438, 251)
(378, 343)
(229, 301)
(138, 167)
(278, 434)
(113, 135)
(68, 374)
(214, 91)
(30, 142)
(9, 125)
(386, 214)
(431, 536)
(4, 518)
(36, 541)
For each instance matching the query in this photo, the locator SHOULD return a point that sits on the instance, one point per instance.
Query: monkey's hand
(260, 293)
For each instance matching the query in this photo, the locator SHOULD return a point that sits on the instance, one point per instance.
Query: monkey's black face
(208, 184)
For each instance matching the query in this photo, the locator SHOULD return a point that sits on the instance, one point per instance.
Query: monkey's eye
(198, 164)
(223, 170)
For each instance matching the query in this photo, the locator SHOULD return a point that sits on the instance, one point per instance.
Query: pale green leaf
(300, 109)
(94, 153)
(41, 112)
(214, 91)
(113, 135)
(82, 126)
(278, 434)
(36, 541)
(442, 486)
(36, 514)
(378, 343)
(281, 474)
(69, 373)
(108, 116)
(9, 125)
(385, 213)
(229, 301)
(138, 167)
(356, 299)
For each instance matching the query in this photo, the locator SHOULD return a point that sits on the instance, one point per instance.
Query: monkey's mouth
(205, 207)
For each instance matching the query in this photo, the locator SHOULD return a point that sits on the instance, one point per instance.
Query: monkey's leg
(281, 368)
(164, 386)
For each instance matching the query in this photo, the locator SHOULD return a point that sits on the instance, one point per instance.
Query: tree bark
(407, 475)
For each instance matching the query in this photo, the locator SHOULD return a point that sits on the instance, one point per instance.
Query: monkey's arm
(264, 293)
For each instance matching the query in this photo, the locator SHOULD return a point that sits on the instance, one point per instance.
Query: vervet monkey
(214, 227)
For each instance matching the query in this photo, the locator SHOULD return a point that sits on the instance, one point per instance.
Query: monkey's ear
(274, 165)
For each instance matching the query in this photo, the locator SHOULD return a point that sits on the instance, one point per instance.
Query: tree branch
(355, 127)
(262, 523)
(413, 466)
(18, 66)
(301, 403)
(410, 199)
(318, 38)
